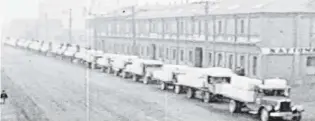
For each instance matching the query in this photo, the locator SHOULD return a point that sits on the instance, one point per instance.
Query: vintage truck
(142, 69)
(91, 58)
(167, 76)
(71, 51)
(120, 62)
(80, 56)
(105, 62)
(268, 98)
(47, 46)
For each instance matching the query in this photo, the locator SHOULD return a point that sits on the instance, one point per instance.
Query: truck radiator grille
(285, 106)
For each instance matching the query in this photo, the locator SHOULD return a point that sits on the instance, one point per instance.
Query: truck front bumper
(284, 115)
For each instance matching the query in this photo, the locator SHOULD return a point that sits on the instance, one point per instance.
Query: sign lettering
(288, 50)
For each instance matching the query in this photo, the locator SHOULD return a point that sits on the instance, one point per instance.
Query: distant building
(268, 38)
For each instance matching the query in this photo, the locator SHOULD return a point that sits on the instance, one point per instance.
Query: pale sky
(12, 9)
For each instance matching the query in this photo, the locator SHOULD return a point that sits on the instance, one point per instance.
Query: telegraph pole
(70, 25)
(46, 28)
(134, 31)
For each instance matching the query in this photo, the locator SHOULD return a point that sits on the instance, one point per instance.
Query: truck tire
(163, 85)
(190, 93)
(178, 89)
(234, 106)
(135, 77)
(124, 75)
(297, 118)
(116, 73)
(207, 98)
(146, 80)
(109, 70)
(264, 115)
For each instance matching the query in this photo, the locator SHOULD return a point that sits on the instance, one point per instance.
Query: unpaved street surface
(48, 89)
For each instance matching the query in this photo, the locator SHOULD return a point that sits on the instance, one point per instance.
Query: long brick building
(269, 38)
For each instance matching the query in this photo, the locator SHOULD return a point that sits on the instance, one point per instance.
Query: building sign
(288, 50)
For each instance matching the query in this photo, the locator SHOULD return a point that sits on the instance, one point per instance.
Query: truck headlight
(269, 107)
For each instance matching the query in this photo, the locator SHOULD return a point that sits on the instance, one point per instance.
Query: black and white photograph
(157, 60)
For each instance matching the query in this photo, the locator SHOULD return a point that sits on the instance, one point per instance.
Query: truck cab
(273, 101)
(120, 62)
(143, 69)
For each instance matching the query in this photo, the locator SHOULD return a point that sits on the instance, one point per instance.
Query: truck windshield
(154, 66)
(270, 92)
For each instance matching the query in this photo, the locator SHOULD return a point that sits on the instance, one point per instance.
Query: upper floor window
(148, 51)
(181, 27)
(310, 61)
(242, 27)
(219, 27)
(161, 51)
(200, 27)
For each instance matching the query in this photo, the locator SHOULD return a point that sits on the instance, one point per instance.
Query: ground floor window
(182, 55)
(161, 52)
(190, 56)
(166, 53)
(174, 54)
(242, 61)
(209, 58)
(310, 61)
(230, 61)
(219, 60)
(254, 66)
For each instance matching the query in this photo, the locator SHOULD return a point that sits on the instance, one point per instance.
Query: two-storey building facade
(264, 37)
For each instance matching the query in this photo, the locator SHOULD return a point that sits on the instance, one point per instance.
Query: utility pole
(70, 25)
(46, 28)
(134, 31)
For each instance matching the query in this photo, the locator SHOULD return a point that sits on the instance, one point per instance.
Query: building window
(182, 55)
(230, 61)
(161, 52)
(181, 27)
(148, 51)
(190, 56)
(174, 54)
(219, 27)
(199, 27)
(143, 50)
(209, 59)
(310, 61)
(254, 65)
(242, 27)
(219, 60)
(166, 54)
(242, 61)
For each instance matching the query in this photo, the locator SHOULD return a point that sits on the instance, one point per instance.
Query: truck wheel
(146, 80)
(190, 93)
(297, 118)
(264, 115)
(163, 85)
(116, 73)
(234, 106)
(178, 89)
(207, 97)
(109, 70)
(124, 75)
(135, 78)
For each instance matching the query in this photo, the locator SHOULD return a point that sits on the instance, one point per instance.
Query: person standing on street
(4, 96)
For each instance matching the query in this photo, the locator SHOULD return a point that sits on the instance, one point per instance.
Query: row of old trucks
(268, 98)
